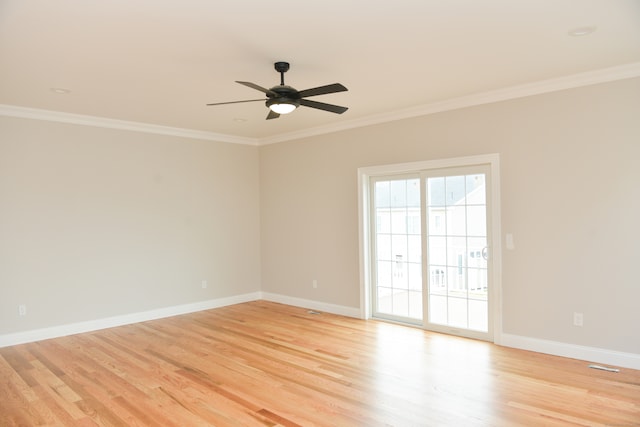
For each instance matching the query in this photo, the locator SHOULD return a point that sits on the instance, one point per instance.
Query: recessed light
(60, 90)
(582, 31)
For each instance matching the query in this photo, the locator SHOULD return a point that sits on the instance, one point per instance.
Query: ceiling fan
(283, 99)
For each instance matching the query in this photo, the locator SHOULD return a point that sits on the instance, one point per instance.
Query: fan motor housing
(285, 91)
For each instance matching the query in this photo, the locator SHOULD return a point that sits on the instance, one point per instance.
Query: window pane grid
(456, 245)
(456, 225)
(398, 248)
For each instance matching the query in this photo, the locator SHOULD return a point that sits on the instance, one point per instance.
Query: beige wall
(97, 223)
(570, 174)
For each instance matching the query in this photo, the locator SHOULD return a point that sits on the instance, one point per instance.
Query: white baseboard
(313, 305)
(591, 354)
(127, 319)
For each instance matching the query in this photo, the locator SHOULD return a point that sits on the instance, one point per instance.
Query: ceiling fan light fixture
(283, 99)
(282, 106)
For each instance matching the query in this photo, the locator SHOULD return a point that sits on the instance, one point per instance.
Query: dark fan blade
(322, 90)
(256, 87)
(322, 106)
(237, 102)
(272, 115)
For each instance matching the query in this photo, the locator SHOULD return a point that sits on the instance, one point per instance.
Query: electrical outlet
(204, 284)
(22, 310)
(578, 319)
(314, 284)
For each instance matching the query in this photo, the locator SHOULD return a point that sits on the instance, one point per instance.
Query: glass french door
(398, 291)
(431, 249)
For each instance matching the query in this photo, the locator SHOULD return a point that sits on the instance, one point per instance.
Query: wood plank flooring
(267, 364)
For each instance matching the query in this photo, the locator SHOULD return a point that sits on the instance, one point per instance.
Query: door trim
(364, 226)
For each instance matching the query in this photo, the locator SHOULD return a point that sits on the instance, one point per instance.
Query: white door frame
(493, 161)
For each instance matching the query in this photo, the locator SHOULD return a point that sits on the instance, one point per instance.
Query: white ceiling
(160, 61)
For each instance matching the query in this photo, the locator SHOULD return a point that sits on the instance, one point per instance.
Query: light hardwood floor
(267, 364)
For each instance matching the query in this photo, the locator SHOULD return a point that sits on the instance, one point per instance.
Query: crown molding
(513, 92)
(102, 122)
